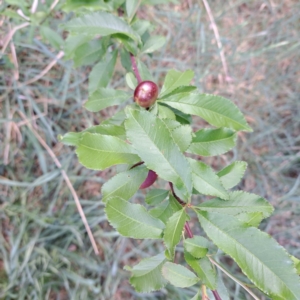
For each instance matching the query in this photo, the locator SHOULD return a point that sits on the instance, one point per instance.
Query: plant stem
(189, 232)
(135, 69)
(216, 295)
(175, 196)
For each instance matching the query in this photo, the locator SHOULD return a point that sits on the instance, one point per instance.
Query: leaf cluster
(163, 139)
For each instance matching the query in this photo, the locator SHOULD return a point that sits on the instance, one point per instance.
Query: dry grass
(44, 251)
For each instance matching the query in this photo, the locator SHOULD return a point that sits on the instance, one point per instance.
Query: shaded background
(44, 250)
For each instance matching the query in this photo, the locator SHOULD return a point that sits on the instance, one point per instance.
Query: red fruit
(152, 176)
(145, 94)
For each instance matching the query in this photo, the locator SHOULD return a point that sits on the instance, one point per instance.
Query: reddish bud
(146, 93)
(152, 176)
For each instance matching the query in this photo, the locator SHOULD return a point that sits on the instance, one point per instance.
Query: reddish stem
(216, 295)
(137, 164)
(175, 196)
(135, 69)
(188, 230)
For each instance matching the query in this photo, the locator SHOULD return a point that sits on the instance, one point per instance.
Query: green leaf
(72, 5)
(175, 79)
(131, 7)
(132, 220)
(153, 143)
(153, 43)
(181, 134)
(239, 202)
(179, 275)
(73, 138)
(165, 113)
(176, 206)
(102, 73)
(124, 184)
(221, 288)
(206, 182)
(144, 71)
(162, 211)
(128, 43)
(140, 26)
(117, 119)
(131, 80)
(156, 196)
(197, 246)
(146, 275)
(251, 219)
(20, 3)
(216, 110)
(105, 97)
(259, 256)
(231, 175)
(108, 129)
(296, 262)
(99, 152)
(173, 231)
(70, 138)
(52, 37)
(181, 90)
(211, 142)
(181, 117)
(197, 296)
(203, 269)
(125, 60)
(89, 52)
(100, 23)
(72, 43)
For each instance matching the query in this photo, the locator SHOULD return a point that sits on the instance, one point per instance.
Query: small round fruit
(145, 94)
(152, 176)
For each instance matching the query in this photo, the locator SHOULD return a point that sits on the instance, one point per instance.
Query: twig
(233, 278)
(53, 4)
(15, 61)
(34, 6)
(216, 295)
(11, 34)
(204, 294)
(174, 194)
(135, 68)
(68, 182)
(188, 230)
(47, 69)
(217, 36)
